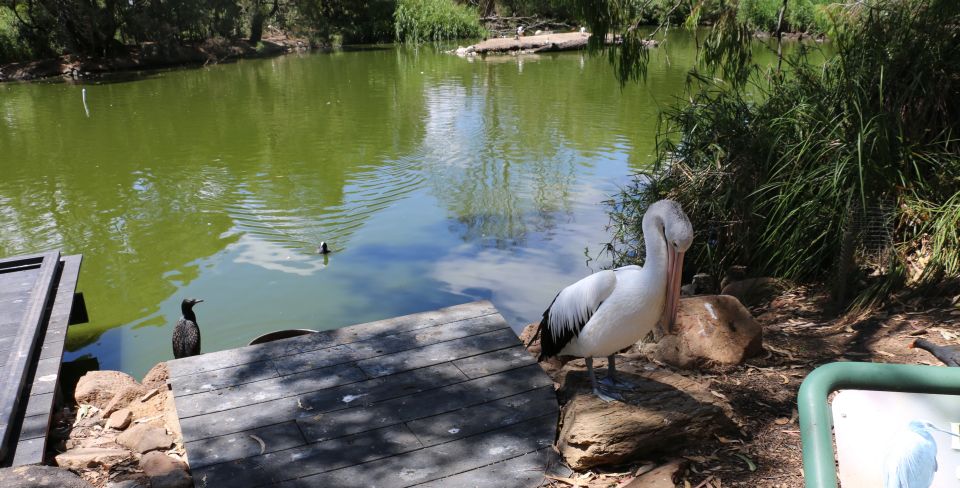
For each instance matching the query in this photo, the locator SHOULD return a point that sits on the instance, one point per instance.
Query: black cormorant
(186, 335)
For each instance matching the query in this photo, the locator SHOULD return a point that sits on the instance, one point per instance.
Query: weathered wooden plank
(29, 451)
(438, 353)
(46, 370)
(440, 461)
(63, 303)
(242, 444)
(495, 362)
(294, 384)
(34, 426)
(439, 401)
(266, 390)
(346, 335)
(268, 469)
(45, 376)
(383, 345)
(222, 378)
(525, 471)
(39, 404)
(316, 402)
(52, 349)
(13, 376)
(485, 417)
(415, 321)
(248, 354)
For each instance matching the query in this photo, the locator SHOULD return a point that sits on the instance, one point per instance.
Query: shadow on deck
(442, 398)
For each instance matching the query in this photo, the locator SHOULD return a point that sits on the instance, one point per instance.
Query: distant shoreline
(151, 56)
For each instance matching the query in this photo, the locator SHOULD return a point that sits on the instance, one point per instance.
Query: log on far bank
(566, 41)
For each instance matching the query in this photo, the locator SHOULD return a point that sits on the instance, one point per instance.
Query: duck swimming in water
(186, 335)
(323, 249)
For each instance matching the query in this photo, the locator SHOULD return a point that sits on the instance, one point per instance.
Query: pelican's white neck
(655, 243)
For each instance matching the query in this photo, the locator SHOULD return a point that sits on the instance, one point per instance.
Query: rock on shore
(126, 432)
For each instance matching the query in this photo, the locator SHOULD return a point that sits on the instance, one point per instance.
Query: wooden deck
(36, 301)
(442, 398)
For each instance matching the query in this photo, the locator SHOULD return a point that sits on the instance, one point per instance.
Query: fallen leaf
(706, 482)
(750, 464)
(782, 421)
(263, 445)
(718, 395)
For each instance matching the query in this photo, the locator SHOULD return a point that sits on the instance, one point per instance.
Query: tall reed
(435, 20)
(776, 173)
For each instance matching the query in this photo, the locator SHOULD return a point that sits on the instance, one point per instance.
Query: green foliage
(773, 174)
(332, 22)
(12, 48)
(532, 8)
(800, 16)
(435, 20)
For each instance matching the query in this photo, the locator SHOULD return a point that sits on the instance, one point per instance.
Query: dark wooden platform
(36, 300)
(442, 398)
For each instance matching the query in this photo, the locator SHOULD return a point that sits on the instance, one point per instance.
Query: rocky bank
(125, 433)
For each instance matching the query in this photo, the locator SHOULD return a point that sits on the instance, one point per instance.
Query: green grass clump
(800, 16)
(435, 20)
(775, 174)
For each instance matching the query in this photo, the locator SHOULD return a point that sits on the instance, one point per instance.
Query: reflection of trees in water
(167, 170)
(501, 166)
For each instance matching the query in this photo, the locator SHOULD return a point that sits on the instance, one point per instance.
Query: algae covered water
(435, 180)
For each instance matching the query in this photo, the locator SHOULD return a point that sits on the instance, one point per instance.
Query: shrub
(435, 20)
(780, 175)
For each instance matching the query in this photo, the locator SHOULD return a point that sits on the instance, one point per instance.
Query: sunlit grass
(435, 20)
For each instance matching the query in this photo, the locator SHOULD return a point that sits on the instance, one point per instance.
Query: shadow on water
(359, 48)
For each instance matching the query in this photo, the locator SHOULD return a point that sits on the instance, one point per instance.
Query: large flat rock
(664, 413)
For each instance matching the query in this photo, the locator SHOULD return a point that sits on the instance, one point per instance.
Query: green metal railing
(816, 422)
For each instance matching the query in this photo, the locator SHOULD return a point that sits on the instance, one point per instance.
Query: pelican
(612, 309)
(911, 460)
(186, 335)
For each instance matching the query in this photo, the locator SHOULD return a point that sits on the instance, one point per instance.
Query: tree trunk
(259, 17)
(256, 27)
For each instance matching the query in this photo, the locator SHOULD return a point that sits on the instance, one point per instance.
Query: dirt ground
(798, 337)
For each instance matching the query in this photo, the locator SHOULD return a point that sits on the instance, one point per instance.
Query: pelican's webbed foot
(607, 395)
(616, 383)
(612, 380)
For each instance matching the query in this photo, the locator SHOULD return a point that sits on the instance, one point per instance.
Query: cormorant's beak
(672, 303)
(197, 301)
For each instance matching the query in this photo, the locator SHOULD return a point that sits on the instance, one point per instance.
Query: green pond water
(437, 180)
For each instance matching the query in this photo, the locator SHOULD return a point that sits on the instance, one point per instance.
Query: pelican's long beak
(944, 431)
(672, 303)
